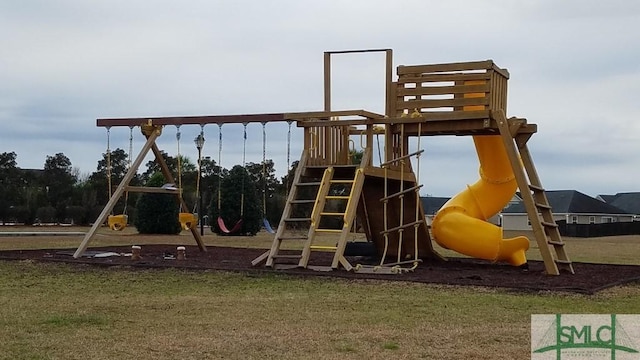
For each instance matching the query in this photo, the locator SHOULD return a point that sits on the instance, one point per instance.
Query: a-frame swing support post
(151, 139)
(152, 135)
(169, 178)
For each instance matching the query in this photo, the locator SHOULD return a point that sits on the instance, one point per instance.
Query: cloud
(574, 71)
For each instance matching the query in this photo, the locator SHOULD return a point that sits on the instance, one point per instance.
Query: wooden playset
(461, 99)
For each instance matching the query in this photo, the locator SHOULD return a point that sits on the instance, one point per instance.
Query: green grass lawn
(57, 311)
(60, 311)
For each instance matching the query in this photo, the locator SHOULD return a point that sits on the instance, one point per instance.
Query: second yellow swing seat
(118, 222)
(188, 220)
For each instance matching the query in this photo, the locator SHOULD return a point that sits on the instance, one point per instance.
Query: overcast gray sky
(574, 64)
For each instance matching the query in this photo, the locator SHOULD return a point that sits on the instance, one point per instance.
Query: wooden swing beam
(235, 119)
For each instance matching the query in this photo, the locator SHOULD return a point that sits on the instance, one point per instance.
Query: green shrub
(157, 213)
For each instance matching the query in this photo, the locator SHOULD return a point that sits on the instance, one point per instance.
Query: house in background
(628, 201)
(431, 205)
(571, 206)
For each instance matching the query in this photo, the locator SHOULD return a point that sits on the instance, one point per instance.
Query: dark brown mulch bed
(588, 278)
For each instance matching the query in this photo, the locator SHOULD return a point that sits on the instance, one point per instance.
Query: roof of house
(571, 202)
(628, 201)
(431, 204)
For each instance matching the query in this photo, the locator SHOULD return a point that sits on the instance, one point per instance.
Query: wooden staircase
(533, 195)
(334, 199)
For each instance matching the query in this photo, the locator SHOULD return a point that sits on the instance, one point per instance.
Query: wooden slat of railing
(442, 90)
(442, 77)
(427, 103)
(460, 66)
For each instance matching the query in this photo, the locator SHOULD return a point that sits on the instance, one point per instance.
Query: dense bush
(76, 215)
(157, 213)
(46, 215)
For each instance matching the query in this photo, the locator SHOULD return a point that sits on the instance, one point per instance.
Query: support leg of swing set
(167, 175)
(117, 194)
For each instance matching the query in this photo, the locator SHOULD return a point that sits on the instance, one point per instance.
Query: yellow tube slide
(461, 225)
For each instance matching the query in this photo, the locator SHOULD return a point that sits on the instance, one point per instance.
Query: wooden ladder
(323, 188)
(533, 194)
(352, 188)
(283, 232)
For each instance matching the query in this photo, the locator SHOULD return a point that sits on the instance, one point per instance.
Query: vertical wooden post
(389, 93)
(327, 81)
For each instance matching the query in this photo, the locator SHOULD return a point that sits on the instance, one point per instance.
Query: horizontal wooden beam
(451, 67)
(193, 120)
(445, 67)
(327, 115)
(357, 51)
(459, 128)
(349, 122)
(233, 119)
(155, 190)
(389, 174)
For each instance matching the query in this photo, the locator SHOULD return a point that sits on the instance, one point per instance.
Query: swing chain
(178, 135)
(108, 169)
(219, 166)
(126, 196)
(264, 169)
(244, 164)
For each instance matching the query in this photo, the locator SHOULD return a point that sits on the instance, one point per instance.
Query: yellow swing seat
(188, 220)
(118, 222)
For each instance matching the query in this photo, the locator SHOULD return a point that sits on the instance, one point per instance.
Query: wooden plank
(454, 127)
(156, 190)
(503, 72)
(498, 91)
(327, 81)
(427, 116)
(389, 84)
(442, 90)
(402, 192)
(442, 78)
(400, 158)
(327, 115)
(356, 51)
(260, 258)
(324, 123)
(457, 66)
(463, 127)
(441, 122)
(438, 103)
(391, 174)
(403, 226)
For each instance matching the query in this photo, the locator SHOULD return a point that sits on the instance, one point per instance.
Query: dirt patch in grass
(589, 278)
